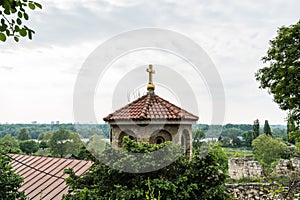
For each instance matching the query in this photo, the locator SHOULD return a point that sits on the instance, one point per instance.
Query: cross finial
(150, 86)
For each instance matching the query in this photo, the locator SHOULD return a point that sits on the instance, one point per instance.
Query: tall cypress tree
(255, 129)
(267, 129)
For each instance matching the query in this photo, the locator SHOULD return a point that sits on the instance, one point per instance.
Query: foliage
(10, 182)
(37, 131)
(231, 141)
(23, 134)
(255, 129)
(220, 156)
(45, 136)
(10, 143)
(248, 138)
(293, 131)
(198, 135)
(29, 146)
(13, 14)
(281, 76)
(43, 145)
(96, 144)
(200, 177)
(267, 129)
(298, 148)
(225, 141)
(268, 150)
(65, 142)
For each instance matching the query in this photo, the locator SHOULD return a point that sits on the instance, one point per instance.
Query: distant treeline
(236, 129)
(85, 130)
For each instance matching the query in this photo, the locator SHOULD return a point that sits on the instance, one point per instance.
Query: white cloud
(37, 77)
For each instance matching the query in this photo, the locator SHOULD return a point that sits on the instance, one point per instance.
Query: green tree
(96, 144)
(293, 131)
(234, 140)
(186, 178)
(65, 142)
(267, 129)
(220, 156)
(45, 136)
(267, 150)
(43, 145)
(10, 181)
(23, 134)
(13, 15)
(225, 141)
(281, 76)
(10, 143)
(29, 146)
(248, 138)
(255, 129)
(198, 135)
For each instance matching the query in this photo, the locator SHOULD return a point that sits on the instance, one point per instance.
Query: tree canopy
(267, 129)
(9, 180)
(64, 142)
(29, 146)
(23, 134)
(282, 75)
(13, 14)
(255, 129)
(268, 150)
(200, 177)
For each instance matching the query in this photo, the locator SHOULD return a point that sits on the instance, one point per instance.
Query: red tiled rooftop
(43, 176)
(149, 107)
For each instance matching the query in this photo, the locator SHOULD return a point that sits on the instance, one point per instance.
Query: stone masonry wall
(247, 191)
(243, 168)
(287, 167)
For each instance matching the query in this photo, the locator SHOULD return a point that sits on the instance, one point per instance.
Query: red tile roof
(43, 176)
(149, 107)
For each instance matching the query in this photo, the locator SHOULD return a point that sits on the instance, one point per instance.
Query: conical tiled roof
(150, 107)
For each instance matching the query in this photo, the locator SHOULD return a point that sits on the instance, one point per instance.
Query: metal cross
(151, 71)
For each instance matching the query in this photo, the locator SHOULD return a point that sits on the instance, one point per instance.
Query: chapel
(152, 119)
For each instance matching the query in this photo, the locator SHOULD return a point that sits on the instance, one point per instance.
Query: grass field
(237, 152)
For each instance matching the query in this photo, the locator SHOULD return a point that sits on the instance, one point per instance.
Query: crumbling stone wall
(288, 167)
(244, 168)
(247, 191)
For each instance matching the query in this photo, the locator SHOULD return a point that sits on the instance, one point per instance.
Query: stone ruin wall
(244, 168)
(250, 191)
(288, 167)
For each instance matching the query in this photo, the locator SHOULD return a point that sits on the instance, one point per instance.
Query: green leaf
(16, 39)
(26, 16)
(31, 6)
(2, 37)
(20, 14)
(29, 35)
(38, 5)
(17, 28)
(19, 21)
(23, 32)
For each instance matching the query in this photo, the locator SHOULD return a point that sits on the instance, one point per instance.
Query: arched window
(160, 136)
(126, 133)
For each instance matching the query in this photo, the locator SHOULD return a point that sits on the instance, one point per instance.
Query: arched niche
(126, 133)
(185, 141)
(160, 136)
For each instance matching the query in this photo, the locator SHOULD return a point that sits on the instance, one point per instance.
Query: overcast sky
(37, 77)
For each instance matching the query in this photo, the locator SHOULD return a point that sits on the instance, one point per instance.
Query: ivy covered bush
(198, 177)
